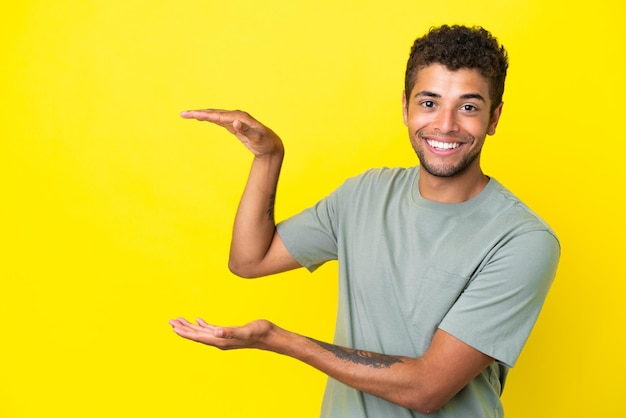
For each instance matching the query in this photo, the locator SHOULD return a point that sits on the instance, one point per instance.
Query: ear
(405, 109)
(493, 123)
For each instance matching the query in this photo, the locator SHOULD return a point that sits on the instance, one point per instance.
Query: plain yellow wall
(116, 213)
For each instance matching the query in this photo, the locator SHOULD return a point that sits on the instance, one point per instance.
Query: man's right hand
(258, 138)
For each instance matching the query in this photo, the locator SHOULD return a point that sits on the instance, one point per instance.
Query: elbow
(426, 408)
(422, 406)
(423, 402)
(244, 271)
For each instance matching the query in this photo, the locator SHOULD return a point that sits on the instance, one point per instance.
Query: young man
(442, 271)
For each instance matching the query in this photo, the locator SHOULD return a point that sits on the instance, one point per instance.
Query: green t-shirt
(479, 270)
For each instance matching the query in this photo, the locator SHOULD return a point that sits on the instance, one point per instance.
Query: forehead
(437, 78)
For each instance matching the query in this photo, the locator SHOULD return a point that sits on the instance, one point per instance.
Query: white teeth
(442, 145)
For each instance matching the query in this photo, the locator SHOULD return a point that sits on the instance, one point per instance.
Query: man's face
(448, 117)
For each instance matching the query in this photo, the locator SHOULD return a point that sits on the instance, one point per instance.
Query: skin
(452, 108)
(445, 106)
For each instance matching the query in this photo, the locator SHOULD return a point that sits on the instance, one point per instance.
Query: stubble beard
(444, 170)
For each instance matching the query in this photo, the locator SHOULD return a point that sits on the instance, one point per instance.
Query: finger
(201, 113)
(188, 329)
(219, 116)
(180, 322)
(192, 332)
(215, 330)
(204, 324)
(182, 325)
(229, 120)
(209, 115)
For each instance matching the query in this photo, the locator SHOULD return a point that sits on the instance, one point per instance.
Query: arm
(256, 249)
(424, 384)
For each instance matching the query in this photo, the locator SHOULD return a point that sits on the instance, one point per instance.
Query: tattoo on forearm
(270, 209)
(366, 358)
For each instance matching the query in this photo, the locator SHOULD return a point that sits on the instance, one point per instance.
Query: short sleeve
(310, 236)
(499, 307)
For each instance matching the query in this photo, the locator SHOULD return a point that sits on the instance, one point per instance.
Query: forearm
(400, 380)
(254, 225)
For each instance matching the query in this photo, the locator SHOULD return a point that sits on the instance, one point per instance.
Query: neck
(456, 189)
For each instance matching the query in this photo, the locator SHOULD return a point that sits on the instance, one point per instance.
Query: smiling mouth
(442, 145)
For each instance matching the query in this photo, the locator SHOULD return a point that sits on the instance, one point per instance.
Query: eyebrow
(426, 93)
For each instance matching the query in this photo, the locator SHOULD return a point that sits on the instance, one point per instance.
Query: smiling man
(448, 115)
(442, 270)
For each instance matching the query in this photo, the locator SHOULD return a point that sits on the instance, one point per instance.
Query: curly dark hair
(458, 47)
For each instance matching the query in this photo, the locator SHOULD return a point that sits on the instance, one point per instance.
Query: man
(442, 271)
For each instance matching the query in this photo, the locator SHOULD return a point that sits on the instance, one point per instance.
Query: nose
(445, 121)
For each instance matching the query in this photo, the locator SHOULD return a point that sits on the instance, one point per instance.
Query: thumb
(228, 333)
(240, 127)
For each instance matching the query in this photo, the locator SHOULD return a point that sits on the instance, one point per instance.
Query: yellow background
(116, 213)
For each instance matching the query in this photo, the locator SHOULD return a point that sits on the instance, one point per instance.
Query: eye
(469, 108)
(428, 104)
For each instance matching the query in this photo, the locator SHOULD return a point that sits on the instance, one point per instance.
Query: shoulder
(518, 214)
